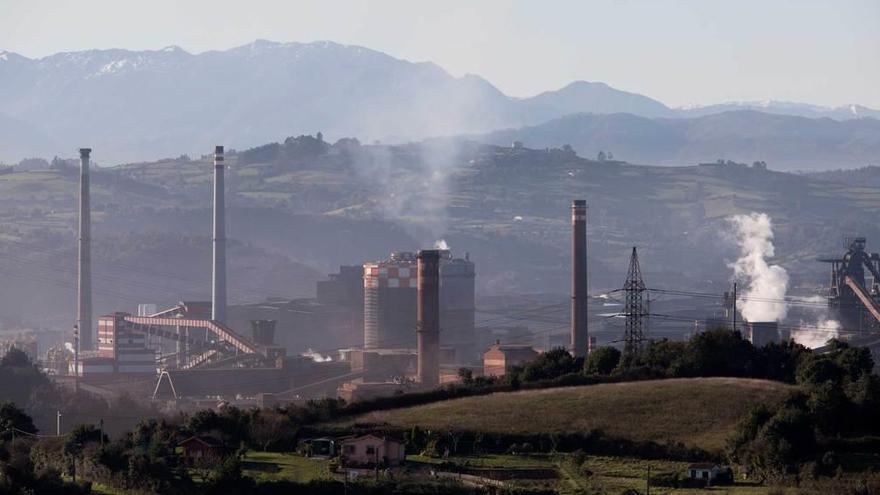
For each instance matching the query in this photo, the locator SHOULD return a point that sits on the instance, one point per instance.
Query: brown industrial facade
(579, 278)
(428, 316)
(501, 358)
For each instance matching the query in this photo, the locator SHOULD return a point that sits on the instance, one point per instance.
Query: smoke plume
(818, 334)
(410, 184)
(820, 328)
(765, 285)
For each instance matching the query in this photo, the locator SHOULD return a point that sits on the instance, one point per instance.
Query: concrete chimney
(428, 313)
(579, 278)
(84, 265)
(218, 288)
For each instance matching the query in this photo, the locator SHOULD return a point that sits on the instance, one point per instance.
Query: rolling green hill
(699, 412)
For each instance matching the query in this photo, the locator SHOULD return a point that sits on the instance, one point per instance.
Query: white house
(705, 471)
(368, 450)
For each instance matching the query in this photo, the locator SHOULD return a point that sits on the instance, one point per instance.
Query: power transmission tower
(635, 312)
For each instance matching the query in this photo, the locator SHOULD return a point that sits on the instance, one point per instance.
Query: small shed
(370, 450)
(195, 449)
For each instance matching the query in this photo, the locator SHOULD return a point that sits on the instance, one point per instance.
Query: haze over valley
(439, 248)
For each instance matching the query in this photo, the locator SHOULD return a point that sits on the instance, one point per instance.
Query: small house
(194, 449)
(706, 471)
(372, 450)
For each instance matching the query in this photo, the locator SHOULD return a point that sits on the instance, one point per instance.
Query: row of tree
(834, 410)
(713, 353)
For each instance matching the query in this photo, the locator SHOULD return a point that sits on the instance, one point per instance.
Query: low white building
(368, 450)
(705, 471)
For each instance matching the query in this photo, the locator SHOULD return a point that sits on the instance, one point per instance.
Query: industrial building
(851, 301)
(390, 303)
(762, 333)
(124, 349)
(386, 372)
(500, 358)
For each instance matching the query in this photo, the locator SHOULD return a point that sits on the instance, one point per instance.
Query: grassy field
(616, 474)
(600, 474)
(490, 461)
(272, 466)
(699, 412)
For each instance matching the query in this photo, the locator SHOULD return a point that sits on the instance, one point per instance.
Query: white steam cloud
(441, 244)
(821, 329)
(818, 334)
(316, 356)
(765, 285)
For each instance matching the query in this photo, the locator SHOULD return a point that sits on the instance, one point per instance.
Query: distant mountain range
(785, 142)
(783, 108)
(138, 105)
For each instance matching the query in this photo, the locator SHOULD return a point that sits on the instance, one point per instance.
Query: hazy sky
(680, 52)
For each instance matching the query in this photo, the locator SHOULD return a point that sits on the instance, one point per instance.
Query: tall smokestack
(428, 313)
(579, 278)
(84, 266)
(218, 288)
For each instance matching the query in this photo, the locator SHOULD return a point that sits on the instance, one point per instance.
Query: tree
(854, 361)
(661, 354)
(816, 370)
(829, 408)
(80, 436)
(15, 358)
(864, 394)
(466, 375)
(552, 364)
(779, 361)
(228, 478)
(11, 417)
(600, 157)
(773, 444)
(716, 352)
(602, 361)
(268, 426)
(20, 379)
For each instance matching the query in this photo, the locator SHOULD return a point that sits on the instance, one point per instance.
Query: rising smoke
(765, 284)
(411, 184)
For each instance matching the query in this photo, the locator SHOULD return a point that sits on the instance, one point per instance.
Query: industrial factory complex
(408, 322)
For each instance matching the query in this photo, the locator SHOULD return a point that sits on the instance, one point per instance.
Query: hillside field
(699, 412)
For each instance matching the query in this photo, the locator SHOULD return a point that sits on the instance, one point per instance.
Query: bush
(602, 361)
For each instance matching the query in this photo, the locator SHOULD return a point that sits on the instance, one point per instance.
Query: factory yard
(698, 412)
